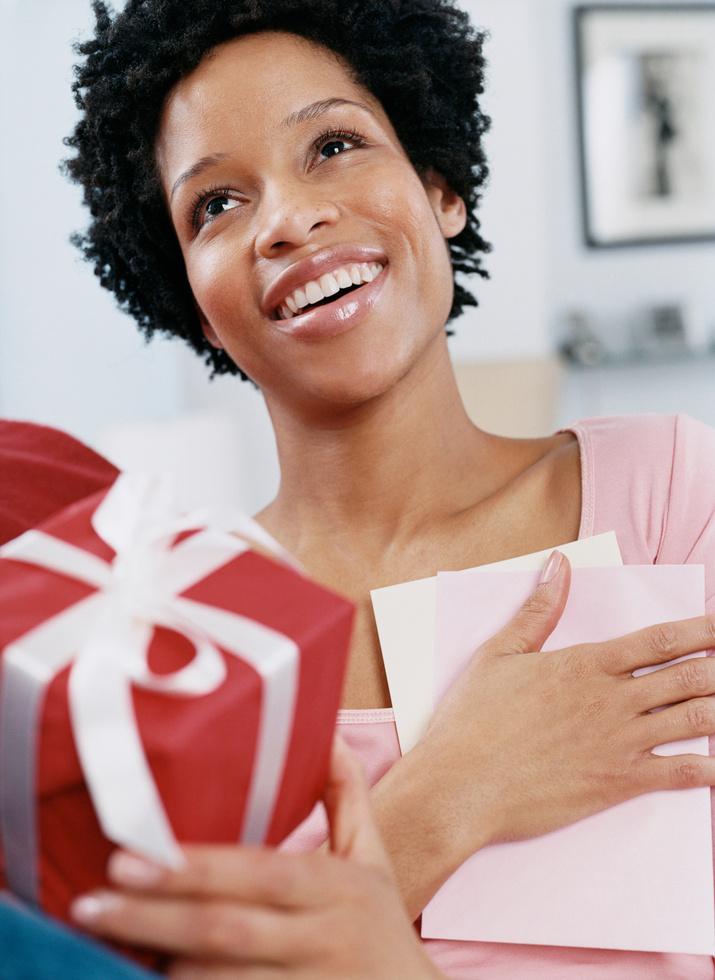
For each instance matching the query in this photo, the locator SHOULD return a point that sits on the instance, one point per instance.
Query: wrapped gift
(161, 681)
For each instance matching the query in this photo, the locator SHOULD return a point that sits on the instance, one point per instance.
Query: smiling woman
(291, 186)
(423, 55)
(283, 175)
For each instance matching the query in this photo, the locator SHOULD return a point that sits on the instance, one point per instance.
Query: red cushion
(41, 471)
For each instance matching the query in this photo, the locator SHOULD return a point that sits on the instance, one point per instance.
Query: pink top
(651, 479)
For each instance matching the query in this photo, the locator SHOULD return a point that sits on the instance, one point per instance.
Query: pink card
(638, 876)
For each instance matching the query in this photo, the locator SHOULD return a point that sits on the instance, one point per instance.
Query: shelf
(643, 358)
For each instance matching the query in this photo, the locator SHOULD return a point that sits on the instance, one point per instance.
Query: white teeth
(343, 278)
(328, 285)
(313, 292)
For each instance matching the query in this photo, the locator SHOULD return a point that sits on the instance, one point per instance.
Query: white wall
(68, 357)
(512, 319)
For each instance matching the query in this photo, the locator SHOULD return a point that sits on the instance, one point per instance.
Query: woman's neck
(405, 458)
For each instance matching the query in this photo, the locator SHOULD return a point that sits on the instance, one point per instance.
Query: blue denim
(35, 947)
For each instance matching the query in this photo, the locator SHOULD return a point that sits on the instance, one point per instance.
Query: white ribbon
(106, 638)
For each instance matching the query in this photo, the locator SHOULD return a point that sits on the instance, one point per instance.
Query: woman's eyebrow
(318, 108)
(302, 115)
(198, 168)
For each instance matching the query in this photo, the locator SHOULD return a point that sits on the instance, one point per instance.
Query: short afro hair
(420, 58)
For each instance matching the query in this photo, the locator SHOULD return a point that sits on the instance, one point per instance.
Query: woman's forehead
(253, 87)
(268, 71)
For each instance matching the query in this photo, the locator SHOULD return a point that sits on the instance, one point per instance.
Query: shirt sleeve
(689, 525)
(651, 479)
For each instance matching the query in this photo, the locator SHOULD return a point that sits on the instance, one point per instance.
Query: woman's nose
(290, 215)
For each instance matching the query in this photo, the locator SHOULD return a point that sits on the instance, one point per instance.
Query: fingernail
(88, 908)
(128, 869)
(552, 567)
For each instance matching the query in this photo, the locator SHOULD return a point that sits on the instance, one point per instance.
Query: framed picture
(646, 86)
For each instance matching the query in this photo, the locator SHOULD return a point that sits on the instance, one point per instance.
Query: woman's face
(316, 255)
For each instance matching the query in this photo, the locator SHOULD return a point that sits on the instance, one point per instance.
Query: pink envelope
(638, 876)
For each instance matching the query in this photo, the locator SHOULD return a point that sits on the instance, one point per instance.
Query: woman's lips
(332, 318)
(321, 265)
(317, 291)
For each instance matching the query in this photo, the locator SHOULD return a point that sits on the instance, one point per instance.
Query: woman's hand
(240, 912)
(526, 742)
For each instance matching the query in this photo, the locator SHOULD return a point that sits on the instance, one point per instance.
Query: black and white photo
(647, 107)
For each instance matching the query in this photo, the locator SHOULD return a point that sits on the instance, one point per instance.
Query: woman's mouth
(327, 288)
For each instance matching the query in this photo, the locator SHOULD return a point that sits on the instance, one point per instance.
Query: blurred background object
(516, 397)
(646, 82)
(36, 947)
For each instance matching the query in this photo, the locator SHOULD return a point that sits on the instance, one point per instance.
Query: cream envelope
(405, 616)
(637, 876)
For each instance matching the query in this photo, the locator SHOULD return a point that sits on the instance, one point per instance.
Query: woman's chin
(335, 395)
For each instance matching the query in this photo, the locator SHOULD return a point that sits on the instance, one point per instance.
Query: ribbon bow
(106, 639)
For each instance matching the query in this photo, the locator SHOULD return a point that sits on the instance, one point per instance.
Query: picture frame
(646, 100)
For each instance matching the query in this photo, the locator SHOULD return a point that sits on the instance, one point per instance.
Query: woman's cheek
(394, 201)
(216, 288)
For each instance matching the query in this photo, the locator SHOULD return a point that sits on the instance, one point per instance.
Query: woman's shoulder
(652, 479)
(641, 452)
(648, 435)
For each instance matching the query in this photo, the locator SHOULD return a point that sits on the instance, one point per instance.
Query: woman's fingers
(249, 874)
(539, 615)
(235, 913)
(690, 719)
(536, 620)
(208, 970)
(212, 928)
(677, 772)
(655, 645)
(353, 831)
(683, 681)
(358, 928)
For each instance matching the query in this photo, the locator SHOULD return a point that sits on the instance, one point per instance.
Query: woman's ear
(208, 331)
(449, 208)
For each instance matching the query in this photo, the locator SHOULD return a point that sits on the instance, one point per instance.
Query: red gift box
(175, 685)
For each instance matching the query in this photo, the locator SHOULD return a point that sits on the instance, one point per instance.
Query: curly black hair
(420, 58)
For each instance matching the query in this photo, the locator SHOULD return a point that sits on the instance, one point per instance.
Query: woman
(291, 187)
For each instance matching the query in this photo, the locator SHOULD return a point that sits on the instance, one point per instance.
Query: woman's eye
(333, 147)
(333, 142)
(217, 206)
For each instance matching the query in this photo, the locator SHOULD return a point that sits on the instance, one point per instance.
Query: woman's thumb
(353, 831)
(536, 620)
